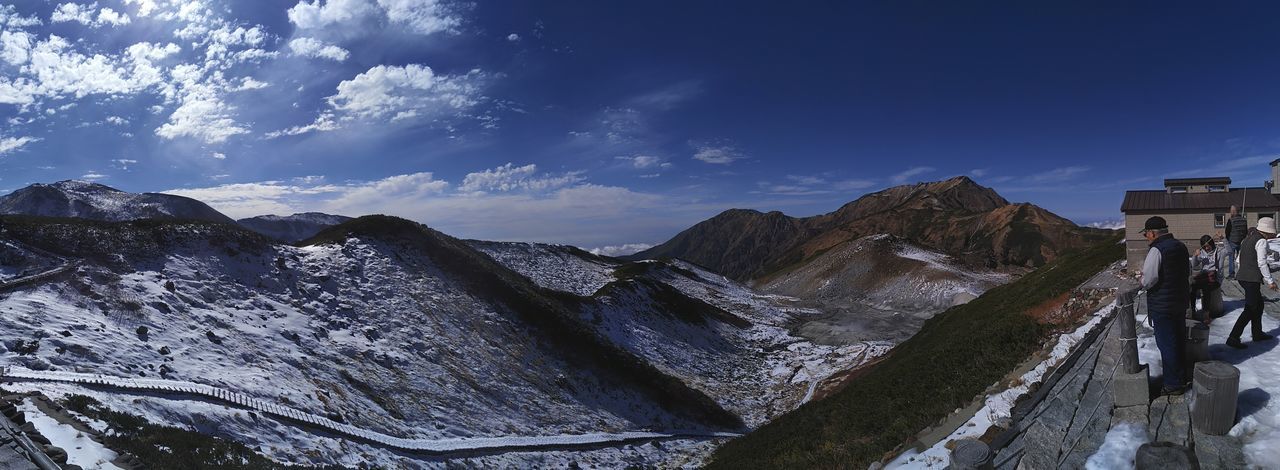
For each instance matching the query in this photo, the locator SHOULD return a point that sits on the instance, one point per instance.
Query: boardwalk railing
(409, 444)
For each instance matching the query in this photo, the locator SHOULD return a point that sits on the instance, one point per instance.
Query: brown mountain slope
(957, 216)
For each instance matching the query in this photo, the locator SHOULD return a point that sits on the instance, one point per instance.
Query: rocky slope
(100, 202)
(958, 217)
(292, 228)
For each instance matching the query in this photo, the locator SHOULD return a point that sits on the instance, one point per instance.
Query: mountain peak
(89, 200)
(81, 186)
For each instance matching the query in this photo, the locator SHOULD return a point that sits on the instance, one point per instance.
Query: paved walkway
(1063, 426)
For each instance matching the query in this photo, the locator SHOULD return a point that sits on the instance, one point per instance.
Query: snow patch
(1119, 448)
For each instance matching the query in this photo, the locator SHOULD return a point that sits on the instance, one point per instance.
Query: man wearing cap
(1253, 273)
(1165, 277)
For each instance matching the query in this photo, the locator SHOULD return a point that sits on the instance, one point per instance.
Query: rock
(1164, 456)
(65, 333)
(142, 332)
(54, 452)
(213, 337)
(164, 350)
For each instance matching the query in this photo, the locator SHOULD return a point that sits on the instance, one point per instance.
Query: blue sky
(614, 123)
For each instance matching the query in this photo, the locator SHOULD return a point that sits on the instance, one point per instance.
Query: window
(1217, 189)
(1177, 189)
(1219, 220)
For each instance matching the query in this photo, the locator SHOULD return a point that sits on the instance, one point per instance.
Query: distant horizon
(613, 250)
(614, 124)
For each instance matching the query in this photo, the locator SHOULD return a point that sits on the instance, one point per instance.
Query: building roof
(1160, 200)
(1214, 180)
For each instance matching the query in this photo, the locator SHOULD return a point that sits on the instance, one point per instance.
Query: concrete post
(972, 454)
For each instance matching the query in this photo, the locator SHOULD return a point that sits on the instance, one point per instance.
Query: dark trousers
(1252, 310)
(1171, 331)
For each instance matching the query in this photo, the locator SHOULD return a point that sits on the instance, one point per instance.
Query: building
(1195, 207)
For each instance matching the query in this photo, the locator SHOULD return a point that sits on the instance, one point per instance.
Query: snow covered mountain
(392, 327)
(100, 202)
(292, 228)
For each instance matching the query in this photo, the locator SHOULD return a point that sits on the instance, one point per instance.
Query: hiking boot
(1263, 337)
(1235, 343)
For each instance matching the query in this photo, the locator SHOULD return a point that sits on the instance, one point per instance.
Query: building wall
(1187, 227)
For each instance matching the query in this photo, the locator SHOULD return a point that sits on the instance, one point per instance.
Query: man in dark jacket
(1237, 227)
(1165, 277)
(1254, 272)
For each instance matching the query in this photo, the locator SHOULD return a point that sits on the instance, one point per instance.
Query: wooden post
(971, 454)
(1213, 408)
(1128, 332)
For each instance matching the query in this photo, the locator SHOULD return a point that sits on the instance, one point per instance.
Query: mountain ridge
(957, 216)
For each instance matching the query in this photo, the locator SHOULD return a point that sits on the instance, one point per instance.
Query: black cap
(1155, 223)
(1206, 240)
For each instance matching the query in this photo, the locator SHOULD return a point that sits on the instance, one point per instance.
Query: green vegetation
(954, 357)
(167, 447)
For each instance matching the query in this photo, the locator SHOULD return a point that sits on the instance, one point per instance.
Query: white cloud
(643, 162)
(92, 175)
(620, 250)
(513, 37)
(73, 12)
(15, 46)
(509, 177)
(314, 48)
(123, 163)
(319, 13)
(416, 16)
(117, 120)
(580, 213)
(10, 18)
(84, 14)
(1059, 174)
(395, 93)
(421, 16)
(13, 144)
(979, 172)
(717, 155)
(910, 173)
(385, 90)
(218, 156)
(204, 116)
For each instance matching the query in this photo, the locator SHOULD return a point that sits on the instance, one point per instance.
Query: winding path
(432, 446)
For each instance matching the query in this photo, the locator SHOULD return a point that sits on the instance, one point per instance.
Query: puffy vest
(1173, 289)
(1239, 229)
(1248, 270)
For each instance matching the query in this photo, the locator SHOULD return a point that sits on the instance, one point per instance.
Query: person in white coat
(1253, 273)
(1206, 278)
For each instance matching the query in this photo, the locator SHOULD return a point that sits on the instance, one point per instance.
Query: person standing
(1206, 280)
(1237, 227)
(1166, 277)
(1254, 272)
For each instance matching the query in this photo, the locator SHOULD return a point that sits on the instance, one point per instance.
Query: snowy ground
(81, 450)
(1259, 364)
